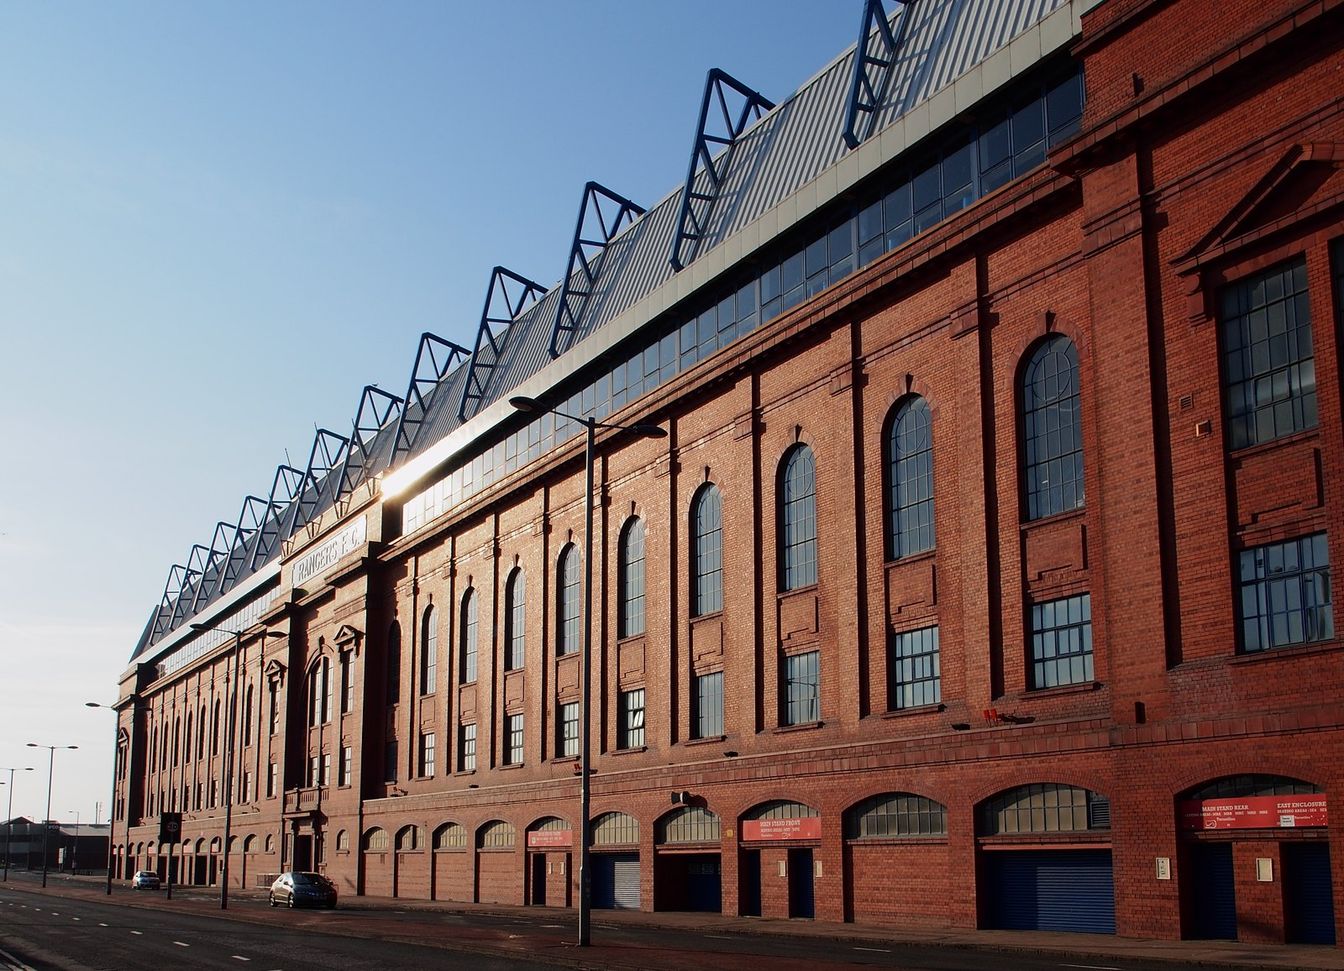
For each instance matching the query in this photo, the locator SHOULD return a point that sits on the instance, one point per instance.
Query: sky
(219, 221)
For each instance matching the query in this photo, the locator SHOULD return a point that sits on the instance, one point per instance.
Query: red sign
(550, 837)
(808, 828)
(1253, 812)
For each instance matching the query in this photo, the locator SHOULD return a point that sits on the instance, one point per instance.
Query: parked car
(145, 880)
(298, 888)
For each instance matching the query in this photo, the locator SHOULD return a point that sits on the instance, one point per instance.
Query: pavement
(1106, 950)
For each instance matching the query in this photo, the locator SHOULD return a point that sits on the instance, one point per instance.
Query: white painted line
(239, 957)
(74, 918)
(102, 925)
(876, 950)
(181, 944)
(717, 937)
(1091, 967)
(14, 962)
(137, 933)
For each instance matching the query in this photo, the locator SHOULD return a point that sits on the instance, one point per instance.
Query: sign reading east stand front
(1254, 812)
(331, 552)
(807, 828)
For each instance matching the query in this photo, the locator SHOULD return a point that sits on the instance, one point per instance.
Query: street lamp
(228, 746)
(9, 816)
(74, 855)
(531, 406)
(112, 813)
(46, 823)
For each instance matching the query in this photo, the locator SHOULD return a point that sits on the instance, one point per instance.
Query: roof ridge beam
(697, 203)
(517, 294)
(434, 358)
(596, 227)
(873, 69)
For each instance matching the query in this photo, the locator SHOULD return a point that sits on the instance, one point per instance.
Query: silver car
(145, 880)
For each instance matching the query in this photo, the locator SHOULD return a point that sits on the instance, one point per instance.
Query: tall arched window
(393, 666)
(515, 620)
(186, 746)
(706, 551)
(798, 519)
(630, 617)
(214, 730)
(429, 652)
(248, 698)
(1052, 432)
(319, 693)
(910, 479)
(468, 672)
(567, 601)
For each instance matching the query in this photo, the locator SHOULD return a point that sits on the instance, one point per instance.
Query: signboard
(808, 828)
(1253, 812)
(541, 838)
(330, 553)
(170, 827)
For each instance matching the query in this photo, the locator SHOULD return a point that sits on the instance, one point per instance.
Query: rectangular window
(802, 689)
(1285, 594)
(326, 769)
(347, 765)
(630, 724)
(913, 674)
(708, 717)
(1061, 642)
(390, 761)
(466, 748)
(1269, 371)
(426, 754)
(513, 739)
(247, 787)
(347, 685)
(568, 741)
(312, 771)
(273, 716)
(272, 779)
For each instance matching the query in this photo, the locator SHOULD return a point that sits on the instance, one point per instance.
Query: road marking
(717, 937)
(239, 957)
(181, 944)
(137, 933)
(74, 918)
(102, 925)
(877, 950)
(1091, 967)
(14, 962)
(552, 925)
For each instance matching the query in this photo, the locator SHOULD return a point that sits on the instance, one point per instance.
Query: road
(73, 928)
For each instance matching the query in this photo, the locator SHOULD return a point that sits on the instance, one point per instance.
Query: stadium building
(980, 579)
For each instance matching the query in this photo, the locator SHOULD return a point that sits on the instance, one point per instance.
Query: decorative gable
(348, 639)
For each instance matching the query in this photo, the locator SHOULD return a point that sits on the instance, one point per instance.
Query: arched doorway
(1255, 845)
(779, 840)
(895, 839)
(549, 862)
(452, 863)
(1044, 854)
(687, 863)
(410, 878)
(496, 854)
(375, 862)
(615, 862)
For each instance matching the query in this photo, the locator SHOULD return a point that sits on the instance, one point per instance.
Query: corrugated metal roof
(781, 153)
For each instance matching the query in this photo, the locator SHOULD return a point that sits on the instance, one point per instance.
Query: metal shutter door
(1213, 909)
(626, 872)
(1310, 907)
(1051, 890)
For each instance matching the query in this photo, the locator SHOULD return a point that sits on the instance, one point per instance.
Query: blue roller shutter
(1050, 890)
(1213, 900)
(1308, 896)
(604, 880)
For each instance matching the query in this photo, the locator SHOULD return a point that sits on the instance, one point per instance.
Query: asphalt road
(73, 928)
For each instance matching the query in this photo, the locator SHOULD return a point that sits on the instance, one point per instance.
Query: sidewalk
(1093, 947)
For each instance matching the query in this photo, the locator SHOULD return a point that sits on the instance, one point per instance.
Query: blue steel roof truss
(602, 216)
(192, 573)
(250, 519)
(516, 294)
(172, 590)
(433, 360)
(376, 408)
(284, 488)
(214, 564)
(697, 201)
(326, 455)
(874, 66)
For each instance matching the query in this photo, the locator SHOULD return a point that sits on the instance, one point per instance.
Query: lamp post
(228, 746)
(112, 806)
(9, 814)
(74, 855)
(531, 406)
(46, 822)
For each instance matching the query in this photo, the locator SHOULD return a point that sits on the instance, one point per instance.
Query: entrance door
(1309, 908)
(539, 879)
(1050, 890)
(1213, 898)
(750, 882)
(704, 883)
(303, 852)
(800, 884)
(615, 881)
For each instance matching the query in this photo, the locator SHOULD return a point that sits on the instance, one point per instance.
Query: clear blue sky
(218, 221)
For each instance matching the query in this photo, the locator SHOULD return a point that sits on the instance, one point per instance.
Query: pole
(586, 694)
(228, 772)
(46, 823)
(112, 806)
(9, 822)
(74, 853)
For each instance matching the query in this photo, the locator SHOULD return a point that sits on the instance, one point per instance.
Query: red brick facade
(1212, 148)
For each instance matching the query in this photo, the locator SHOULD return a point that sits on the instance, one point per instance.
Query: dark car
(298, 888)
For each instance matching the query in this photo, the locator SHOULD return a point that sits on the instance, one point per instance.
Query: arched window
(898, 814)
(1044, 807)
(615, 829)
(469, 625)
(798, 519)
(393, 668)
(515, 620)
(319, 693)
(910, 479)
(706, 551)
(1052, 431)
(270, 843)
(1248, 786)
(689, 824)
(450, 836)
(214, 730)
(567, 601)
(408, 838)
(496, 835)
(342, 840)
(177, 738)
(630, 618)
(429, 652)
(377, 841)
(186, 747)
(247, 717)
(200, 732)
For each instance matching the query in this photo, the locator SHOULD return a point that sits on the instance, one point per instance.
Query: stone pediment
(274, 670)
(1307, 181)
(348, 638)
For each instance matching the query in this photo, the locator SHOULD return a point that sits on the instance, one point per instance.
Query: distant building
(69, 846)
(982, 581)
